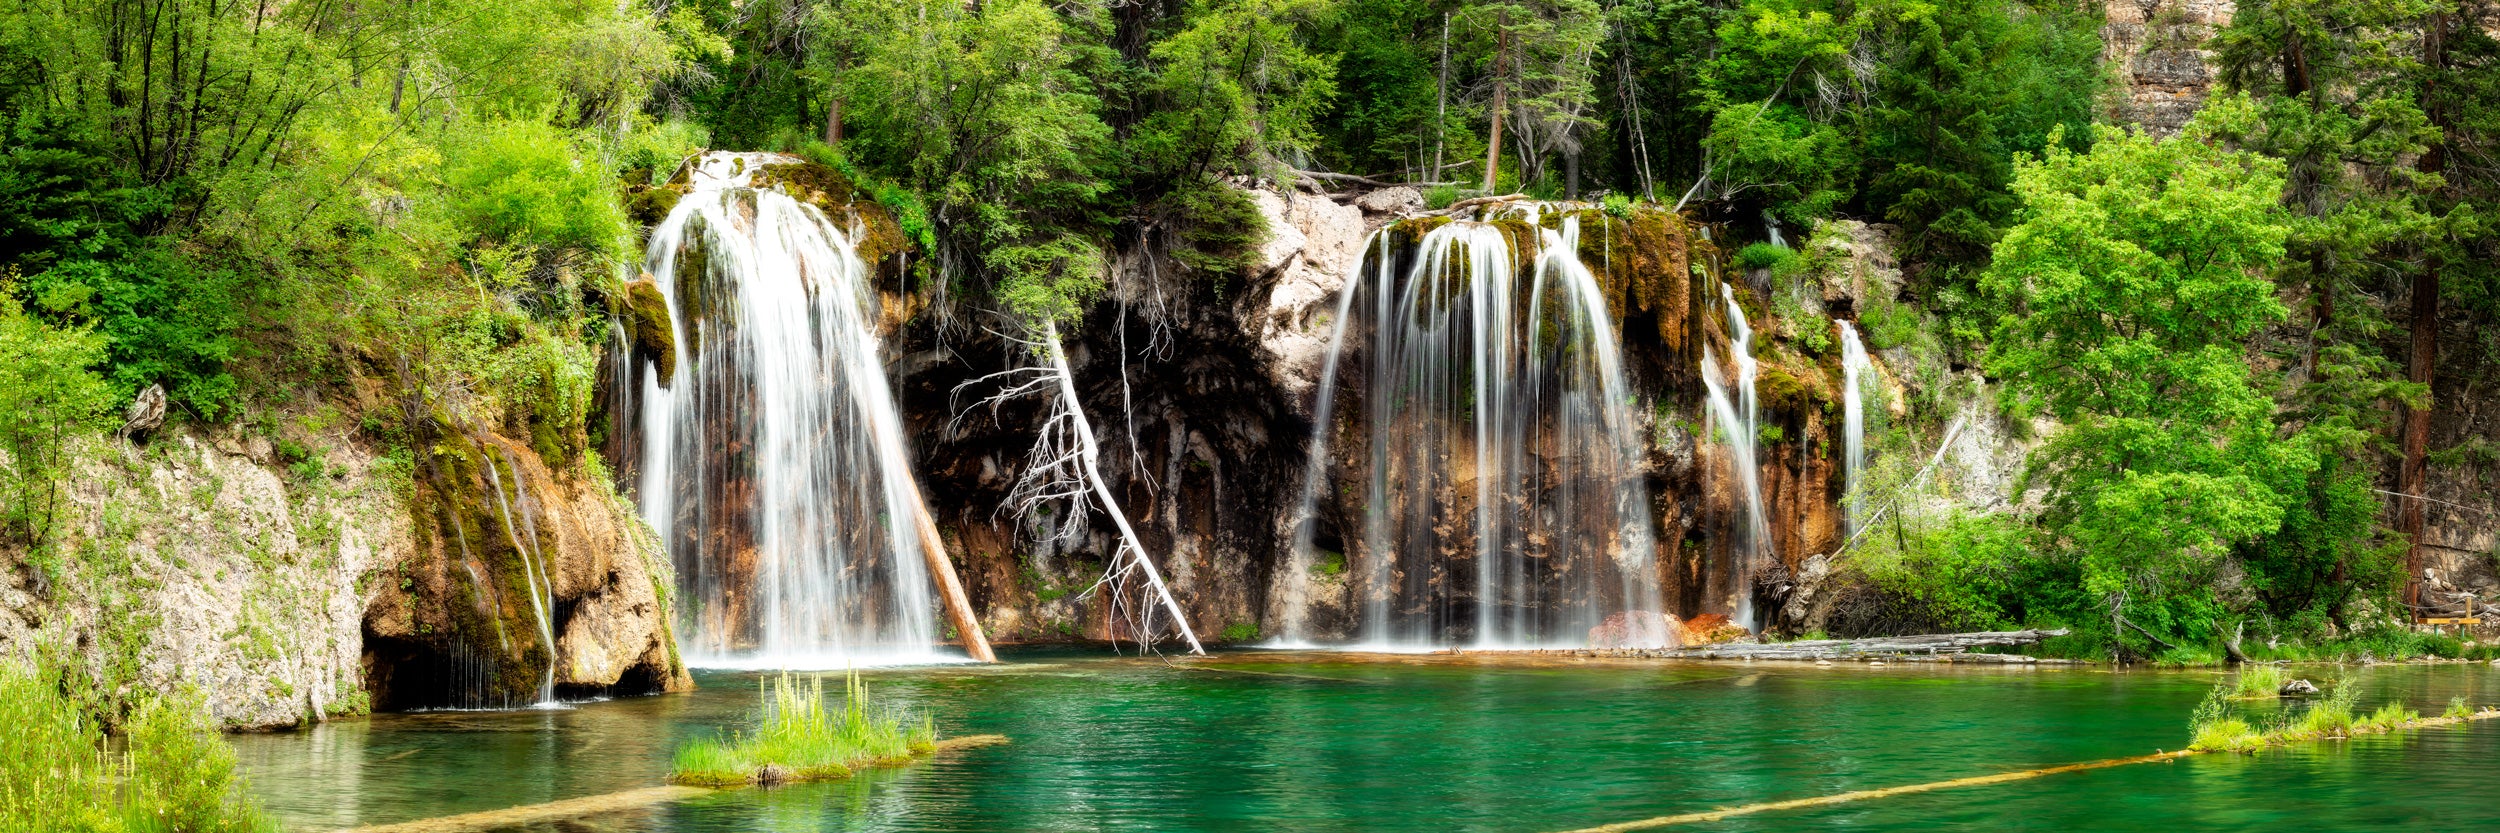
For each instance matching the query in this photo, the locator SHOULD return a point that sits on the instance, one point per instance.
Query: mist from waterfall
(773, 466)
(1504, 448)
(1854, 366)
(1737, 418)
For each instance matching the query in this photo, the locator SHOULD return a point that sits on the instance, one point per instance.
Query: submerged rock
(2298, 688)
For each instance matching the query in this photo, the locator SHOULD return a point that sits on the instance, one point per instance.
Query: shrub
(1440, 196)
(1241, 632)
(1763, 256)
(2388, 718)
(1617, 205)
(175, 773)
(2457, 708)
(2330, 717)
(47, 394)
(524, 183)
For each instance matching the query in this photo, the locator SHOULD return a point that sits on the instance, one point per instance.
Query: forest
(2229, 283)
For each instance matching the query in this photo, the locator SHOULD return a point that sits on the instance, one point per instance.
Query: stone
(1314, 246)
(2298, 688)
(1396, 201)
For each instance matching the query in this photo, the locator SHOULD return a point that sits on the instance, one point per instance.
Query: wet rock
(1638, 629)
(653, 330)
(2298, 688)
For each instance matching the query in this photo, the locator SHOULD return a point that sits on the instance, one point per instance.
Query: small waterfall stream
(1854, 366)
(1737, 417)
(773, 466)
(1505, 505)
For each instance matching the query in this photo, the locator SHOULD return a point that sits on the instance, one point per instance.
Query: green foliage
(47, 397)
(524, 183)
(796, 733)
(1240, 632)
(2258, 682)
(1440, 196)
(1956, 571)
(2457, 709)
(173, 772)
(1763, 256)
(2137, 272)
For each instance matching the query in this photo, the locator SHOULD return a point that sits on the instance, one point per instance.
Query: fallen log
(1954, 645)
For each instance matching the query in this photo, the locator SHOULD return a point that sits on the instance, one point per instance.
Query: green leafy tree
(2137, 272)
(47, 397)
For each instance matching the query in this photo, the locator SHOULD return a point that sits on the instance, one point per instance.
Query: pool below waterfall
(1266, 741)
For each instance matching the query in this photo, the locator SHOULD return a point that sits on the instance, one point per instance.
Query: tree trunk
(1090, 455)
(950, 587)
(1571, 176)
(2412, 479)
(833, 121)
(1501, 100)
(1441, 102)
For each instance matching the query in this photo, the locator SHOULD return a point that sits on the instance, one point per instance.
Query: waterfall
(773, 466)
(1854, 365)
(1738, 418)
(1504, 448)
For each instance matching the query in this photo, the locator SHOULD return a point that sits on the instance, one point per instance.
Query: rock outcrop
(280, 573)
(2158, 48)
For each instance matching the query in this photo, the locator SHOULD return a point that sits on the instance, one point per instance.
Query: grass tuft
(798, 738)
(2229, 734)
(2457, 709)
(2258, 682)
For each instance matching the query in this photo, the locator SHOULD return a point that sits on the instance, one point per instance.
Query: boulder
(2298, 688)
(1391, 201)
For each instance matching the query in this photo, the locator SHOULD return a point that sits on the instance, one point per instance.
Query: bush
(1763, 256)
(47, 395)
(525, 184)
(175, 773)
(1441, 196)
(2227, 735)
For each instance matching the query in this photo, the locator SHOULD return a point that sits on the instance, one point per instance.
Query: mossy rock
(654, 333)
(649, 206)
(877, 236)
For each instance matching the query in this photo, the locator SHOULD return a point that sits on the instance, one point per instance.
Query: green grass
(797, 738)
(2218, 728)
(2227, 735)
(2258, 682)
(173, 772)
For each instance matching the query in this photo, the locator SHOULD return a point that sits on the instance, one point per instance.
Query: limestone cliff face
(2157, 49)
(283, 575)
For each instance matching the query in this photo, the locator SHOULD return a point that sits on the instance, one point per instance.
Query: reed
(797, 737)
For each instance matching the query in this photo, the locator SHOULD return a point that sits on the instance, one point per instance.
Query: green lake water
(1260, 742)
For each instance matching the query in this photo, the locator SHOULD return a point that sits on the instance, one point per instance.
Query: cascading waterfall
(1854, 365)
(1509, 398)
(524, 538)
(774, 465)
(1737, 418)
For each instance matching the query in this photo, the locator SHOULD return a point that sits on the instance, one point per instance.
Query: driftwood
(1353, 178)
(1910, 648)
(1472, 202)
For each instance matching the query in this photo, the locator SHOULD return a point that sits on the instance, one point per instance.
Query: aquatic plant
(2258, 682)
(2388, 718)
(2227, 735)
(173, 772)
(2457, 709)
(2330, 717)
(796, 738)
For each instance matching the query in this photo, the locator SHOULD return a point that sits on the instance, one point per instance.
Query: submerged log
(1953, 645)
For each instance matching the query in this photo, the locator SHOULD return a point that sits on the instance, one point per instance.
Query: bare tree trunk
(1571, 175)
(950, 587)
(1090, 455)
(1441, 101)
(1501, 100)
